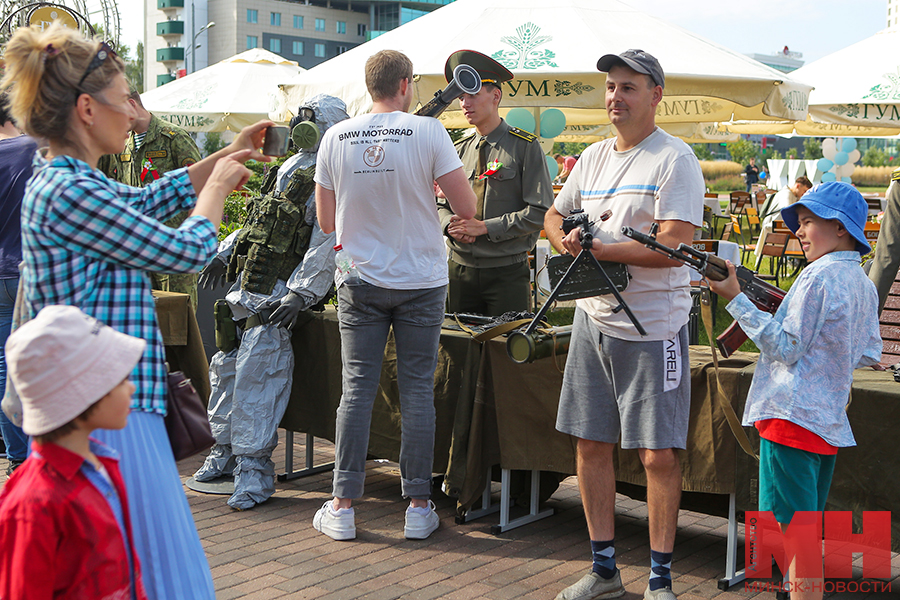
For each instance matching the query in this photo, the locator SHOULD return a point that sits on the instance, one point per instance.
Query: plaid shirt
(89, 242)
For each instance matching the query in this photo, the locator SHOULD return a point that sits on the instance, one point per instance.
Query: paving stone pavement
(273, 552)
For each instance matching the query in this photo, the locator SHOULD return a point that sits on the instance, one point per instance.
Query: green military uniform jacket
(515, 200)
(165, 148)
(887, 248)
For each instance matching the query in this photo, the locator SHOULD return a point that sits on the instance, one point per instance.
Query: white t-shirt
(659, 179)
(382, 168)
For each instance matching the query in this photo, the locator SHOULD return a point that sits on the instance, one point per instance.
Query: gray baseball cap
(640, 61)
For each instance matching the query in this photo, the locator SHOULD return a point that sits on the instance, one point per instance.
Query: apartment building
(179, 38)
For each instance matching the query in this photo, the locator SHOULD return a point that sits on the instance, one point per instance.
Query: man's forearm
(553, 229)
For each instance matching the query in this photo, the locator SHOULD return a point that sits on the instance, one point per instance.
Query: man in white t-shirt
(616, 381)
(375, 179)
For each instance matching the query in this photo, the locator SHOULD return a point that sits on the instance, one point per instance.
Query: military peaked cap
(489, 69)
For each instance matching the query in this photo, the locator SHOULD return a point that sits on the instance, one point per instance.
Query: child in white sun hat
(64, 522)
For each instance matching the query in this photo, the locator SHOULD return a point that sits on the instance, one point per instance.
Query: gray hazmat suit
(251, 384)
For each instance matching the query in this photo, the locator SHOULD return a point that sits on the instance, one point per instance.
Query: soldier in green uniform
(488, 262)
(887, 248)
(153, 148)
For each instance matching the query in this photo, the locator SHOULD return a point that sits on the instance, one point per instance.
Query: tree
(212, 143)
(874, 157)
(742, 151)
(702, 152)
(456, 134)
(134, 69)
(568, 148)
(812, 149)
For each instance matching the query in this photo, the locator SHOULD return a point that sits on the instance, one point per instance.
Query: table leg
(534, 514)
(732, 575)
(311, 468)
(486, 507)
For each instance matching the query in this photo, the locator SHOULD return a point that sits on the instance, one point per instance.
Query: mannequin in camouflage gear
(155, 147)
(251, 384)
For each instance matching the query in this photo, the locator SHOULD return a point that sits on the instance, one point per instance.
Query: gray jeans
(366, 314)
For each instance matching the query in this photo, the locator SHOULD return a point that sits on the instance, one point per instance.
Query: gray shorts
(641, 389)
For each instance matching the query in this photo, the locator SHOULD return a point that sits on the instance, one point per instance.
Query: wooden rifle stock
(764, 295)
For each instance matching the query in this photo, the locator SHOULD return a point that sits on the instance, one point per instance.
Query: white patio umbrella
(857, 92)
(228, 95)
(552, 48)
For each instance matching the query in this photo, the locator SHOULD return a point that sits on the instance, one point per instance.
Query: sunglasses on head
(102, 54)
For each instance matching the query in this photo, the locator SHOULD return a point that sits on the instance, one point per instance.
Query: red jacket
(58, 536)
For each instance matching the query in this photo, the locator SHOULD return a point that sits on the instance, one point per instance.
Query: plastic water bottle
(346, 266)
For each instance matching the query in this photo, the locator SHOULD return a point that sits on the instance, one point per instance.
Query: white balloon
(546, 145)
(854, 157)
(846, 170)
(829, 148)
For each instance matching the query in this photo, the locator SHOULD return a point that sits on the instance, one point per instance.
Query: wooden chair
(874, 203)
(794, 251)
(753, 221)
(713, 216)
(774, 247)
(745, 246)
(726, 232)
(737, 201)
(760, 198)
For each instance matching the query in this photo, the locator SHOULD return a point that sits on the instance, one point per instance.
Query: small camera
(576, 218)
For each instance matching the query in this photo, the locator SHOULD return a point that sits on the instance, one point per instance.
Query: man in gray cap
(506, 167)
(642, 176)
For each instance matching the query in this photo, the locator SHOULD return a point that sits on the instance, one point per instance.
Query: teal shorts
(792, 480)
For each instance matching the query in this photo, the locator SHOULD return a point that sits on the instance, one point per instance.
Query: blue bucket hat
(834, 200)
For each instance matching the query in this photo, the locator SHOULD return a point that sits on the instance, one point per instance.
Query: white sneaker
(421, 524)
(340, 525)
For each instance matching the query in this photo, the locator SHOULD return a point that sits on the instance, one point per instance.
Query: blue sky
(814, 27)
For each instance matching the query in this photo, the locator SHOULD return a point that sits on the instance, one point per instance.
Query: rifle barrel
(679, 254)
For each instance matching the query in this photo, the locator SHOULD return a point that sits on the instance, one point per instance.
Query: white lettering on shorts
(672, 364)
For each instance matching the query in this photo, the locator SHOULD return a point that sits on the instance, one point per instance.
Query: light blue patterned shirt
(826, 327)
(90, 242)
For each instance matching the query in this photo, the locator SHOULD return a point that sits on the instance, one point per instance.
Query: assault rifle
(765, 296)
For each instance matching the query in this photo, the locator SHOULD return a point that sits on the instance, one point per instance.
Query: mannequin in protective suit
(251, 384)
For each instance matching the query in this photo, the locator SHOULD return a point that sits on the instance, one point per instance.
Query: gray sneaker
(660, 594)
(594, 587)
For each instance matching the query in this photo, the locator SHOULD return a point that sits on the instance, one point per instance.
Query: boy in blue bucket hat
(826, 327)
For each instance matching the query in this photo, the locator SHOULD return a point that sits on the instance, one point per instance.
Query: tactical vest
(275, 236)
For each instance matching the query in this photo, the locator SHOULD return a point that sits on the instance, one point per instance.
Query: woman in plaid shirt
(91, 242)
